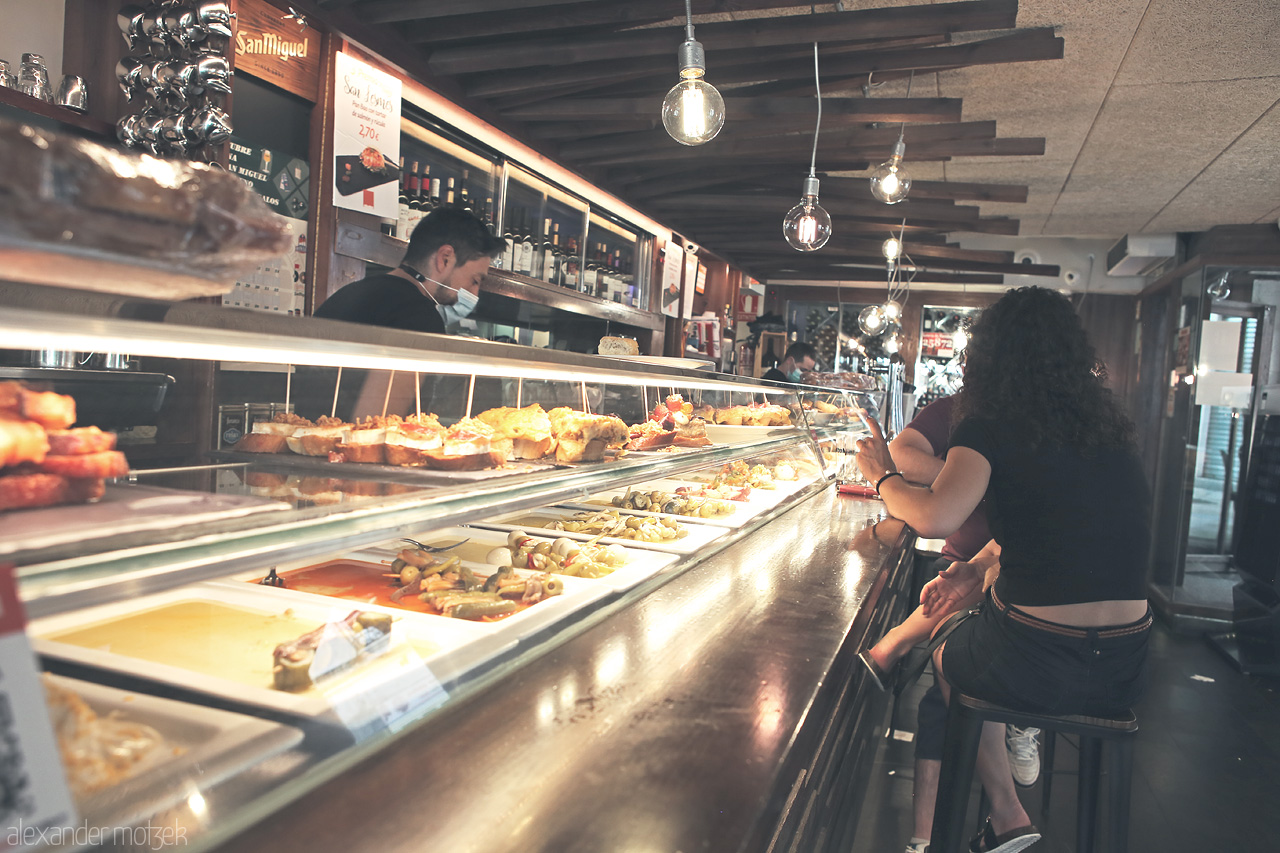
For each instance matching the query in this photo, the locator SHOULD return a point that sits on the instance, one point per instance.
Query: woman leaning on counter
(1064, 629)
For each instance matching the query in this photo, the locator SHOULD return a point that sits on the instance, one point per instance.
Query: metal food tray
(459, 646)
(729, 434)
(641, 563)
(125, 508)
(578, 592)
(211, 746)
(697, 537)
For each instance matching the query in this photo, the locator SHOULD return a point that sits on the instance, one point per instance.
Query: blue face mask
(794, 375)
(460, 310)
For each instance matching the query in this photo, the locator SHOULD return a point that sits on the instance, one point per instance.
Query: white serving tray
(212, 746)
(578, 592)
(458, 646)
(697, 536)
(641, 563)
(741, 514)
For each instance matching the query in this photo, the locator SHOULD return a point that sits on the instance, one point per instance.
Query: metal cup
(6, 78)
(73, 93)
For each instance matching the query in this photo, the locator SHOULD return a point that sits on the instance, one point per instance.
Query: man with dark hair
(437, 282)
(800, 356)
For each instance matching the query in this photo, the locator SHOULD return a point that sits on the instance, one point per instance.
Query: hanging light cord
(817, 88)
(903, 129)
(688, 20)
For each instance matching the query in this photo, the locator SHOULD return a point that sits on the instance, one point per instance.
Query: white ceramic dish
(445, 649)
(534, 522)
(211, 746)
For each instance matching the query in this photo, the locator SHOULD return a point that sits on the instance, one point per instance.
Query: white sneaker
(918, 847)
(1024, 754)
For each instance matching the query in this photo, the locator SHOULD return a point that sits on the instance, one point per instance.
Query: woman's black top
(1072, 527)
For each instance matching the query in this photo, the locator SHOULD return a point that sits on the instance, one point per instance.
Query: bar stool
(960, 752)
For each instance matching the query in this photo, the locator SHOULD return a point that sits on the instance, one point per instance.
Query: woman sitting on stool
(1064, 629)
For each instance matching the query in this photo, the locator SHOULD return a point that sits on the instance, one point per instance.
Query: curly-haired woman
(1064, 629)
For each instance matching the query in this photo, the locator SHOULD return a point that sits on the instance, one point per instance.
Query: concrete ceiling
(1163, 116)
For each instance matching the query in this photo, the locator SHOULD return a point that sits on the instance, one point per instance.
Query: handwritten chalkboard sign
(1258, 551)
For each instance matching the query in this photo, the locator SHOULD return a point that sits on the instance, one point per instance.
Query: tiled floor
(1207, 775)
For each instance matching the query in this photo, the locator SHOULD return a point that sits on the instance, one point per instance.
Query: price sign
(749, 305)
(366, 138)
(36, 809)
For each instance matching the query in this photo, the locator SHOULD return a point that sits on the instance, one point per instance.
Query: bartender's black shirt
(773, 374)
(384, 300)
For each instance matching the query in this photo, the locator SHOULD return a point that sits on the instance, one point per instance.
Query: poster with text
(690, 278)
(366, 138)
(672, 268)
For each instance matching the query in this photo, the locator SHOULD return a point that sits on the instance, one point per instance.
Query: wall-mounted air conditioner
(1136, 254)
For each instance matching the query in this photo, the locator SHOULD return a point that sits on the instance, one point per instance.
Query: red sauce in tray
(368, 583)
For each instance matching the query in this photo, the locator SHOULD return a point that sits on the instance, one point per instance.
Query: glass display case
(402, 521)
(544, 228)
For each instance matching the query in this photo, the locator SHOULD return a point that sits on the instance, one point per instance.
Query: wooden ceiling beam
(922, 110)
(799, 134)
(567, 22)
(393, 11)
(836, 157)
(935, 211)
(870, 275)
(748, 255)
(956, 191)
(894, 22)
(658, 73)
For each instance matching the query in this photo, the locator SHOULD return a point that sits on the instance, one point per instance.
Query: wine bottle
(464, 195)
(589, 273)
(451, 195)
(421, 203)
(488, 215)
(571, 264)
(509, 250)
(546, 260)
(402, 205)
(435, 200)
(557, 273)
(526, 247)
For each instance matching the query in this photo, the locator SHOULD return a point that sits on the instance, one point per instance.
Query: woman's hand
(873, 455)
(955, 586)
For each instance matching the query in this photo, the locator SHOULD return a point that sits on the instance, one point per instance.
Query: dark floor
(1207, 774)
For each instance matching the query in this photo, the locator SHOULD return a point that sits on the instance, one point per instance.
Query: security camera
(691, 248)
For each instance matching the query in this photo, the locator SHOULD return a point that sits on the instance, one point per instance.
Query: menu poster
(282, 179)
(672, 265)
(36, 809)
(366, 138)
(701, 286)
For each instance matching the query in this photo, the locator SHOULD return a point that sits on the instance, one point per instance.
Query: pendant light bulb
(892, 311)
(891, 344)
(807, 226)
(871, 320)
(959, 339)
(693, 111)
(890, 181)
(891, 248)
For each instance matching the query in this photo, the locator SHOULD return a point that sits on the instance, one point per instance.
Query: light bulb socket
(693, 59)
(899, 151)
(810, 187)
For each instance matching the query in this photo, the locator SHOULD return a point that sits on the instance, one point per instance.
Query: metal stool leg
(1087, 793)
(1049, 739)
(1120, 759)
(959, 756)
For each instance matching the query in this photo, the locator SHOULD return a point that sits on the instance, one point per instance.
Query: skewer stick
(386, 398)
(471, 393)
(333, 410)
(644, 389)
(417, 395)
(288, 385)
(584, 399)
(519, 393)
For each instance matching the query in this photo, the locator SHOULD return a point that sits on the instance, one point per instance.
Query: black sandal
(884, 681)
(986, 841)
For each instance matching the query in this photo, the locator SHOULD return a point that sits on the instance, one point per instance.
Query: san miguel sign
(273, 47)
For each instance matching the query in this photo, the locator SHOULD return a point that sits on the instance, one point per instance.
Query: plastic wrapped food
(60, 194)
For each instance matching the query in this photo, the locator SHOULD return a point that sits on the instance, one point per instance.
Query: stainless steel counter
(720, 711)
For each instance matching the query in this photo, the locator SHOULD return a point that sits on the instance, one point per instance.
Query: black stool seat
(960, 751)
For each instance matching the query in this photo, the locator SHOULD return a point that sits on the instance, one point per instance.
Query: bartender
(437, 282)
(799, 357)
